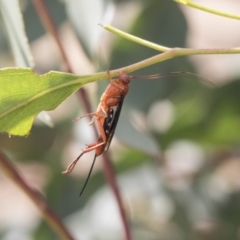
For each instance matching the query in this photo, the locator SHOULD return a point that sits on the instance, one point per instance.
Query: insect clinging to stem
(109, 109)
(112, 97)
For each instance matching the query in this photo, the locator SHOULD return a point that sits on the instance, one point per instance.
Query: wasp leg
(85, 115)
(95, 115)
(88, 149)
(109, 76)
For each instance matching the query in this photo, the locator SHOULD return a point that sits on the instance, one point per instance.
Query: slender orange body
(113, 95)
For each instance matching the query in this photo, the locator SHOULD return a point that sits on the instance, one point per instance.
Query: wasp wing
(111, 125)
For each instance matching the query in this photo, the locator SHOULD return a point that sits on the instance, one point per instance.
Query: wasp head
(124, 77)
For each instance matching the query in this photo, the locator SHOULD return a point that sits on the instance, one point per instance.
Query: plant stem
(50, 216)
(175, 52)
(207, 9)
(135, 39)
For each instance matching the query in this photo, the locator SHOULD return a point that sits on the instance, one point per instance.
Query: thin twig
(51, 28)
(110, 176)
(50, 216)
(177, 51)
(209, 10)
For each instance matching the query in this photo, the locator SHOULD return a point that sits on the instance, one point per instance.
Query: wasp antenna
(89, 174)
(176, 74)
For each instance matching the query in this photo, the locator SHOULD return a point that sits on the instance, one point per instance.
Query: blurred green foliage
(181, 183)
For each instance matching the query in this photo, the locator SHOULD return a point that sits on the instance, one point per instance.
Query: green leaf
(23, 94)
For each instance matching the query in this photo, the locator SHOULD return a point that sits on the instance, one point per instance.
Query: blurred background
(176, 150)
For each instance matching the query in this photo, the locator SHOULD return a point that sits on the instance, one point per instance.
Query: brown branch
(110, 176)
(50, 216)
(107, 166)
(51, 28)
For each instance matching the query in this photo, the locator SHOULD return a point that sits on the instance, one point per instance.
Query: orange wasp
(112, 97)
(106, 119)
(108, 112)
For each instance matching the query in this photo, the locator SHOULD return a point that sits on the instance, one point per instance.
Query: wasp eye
(126, 78)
